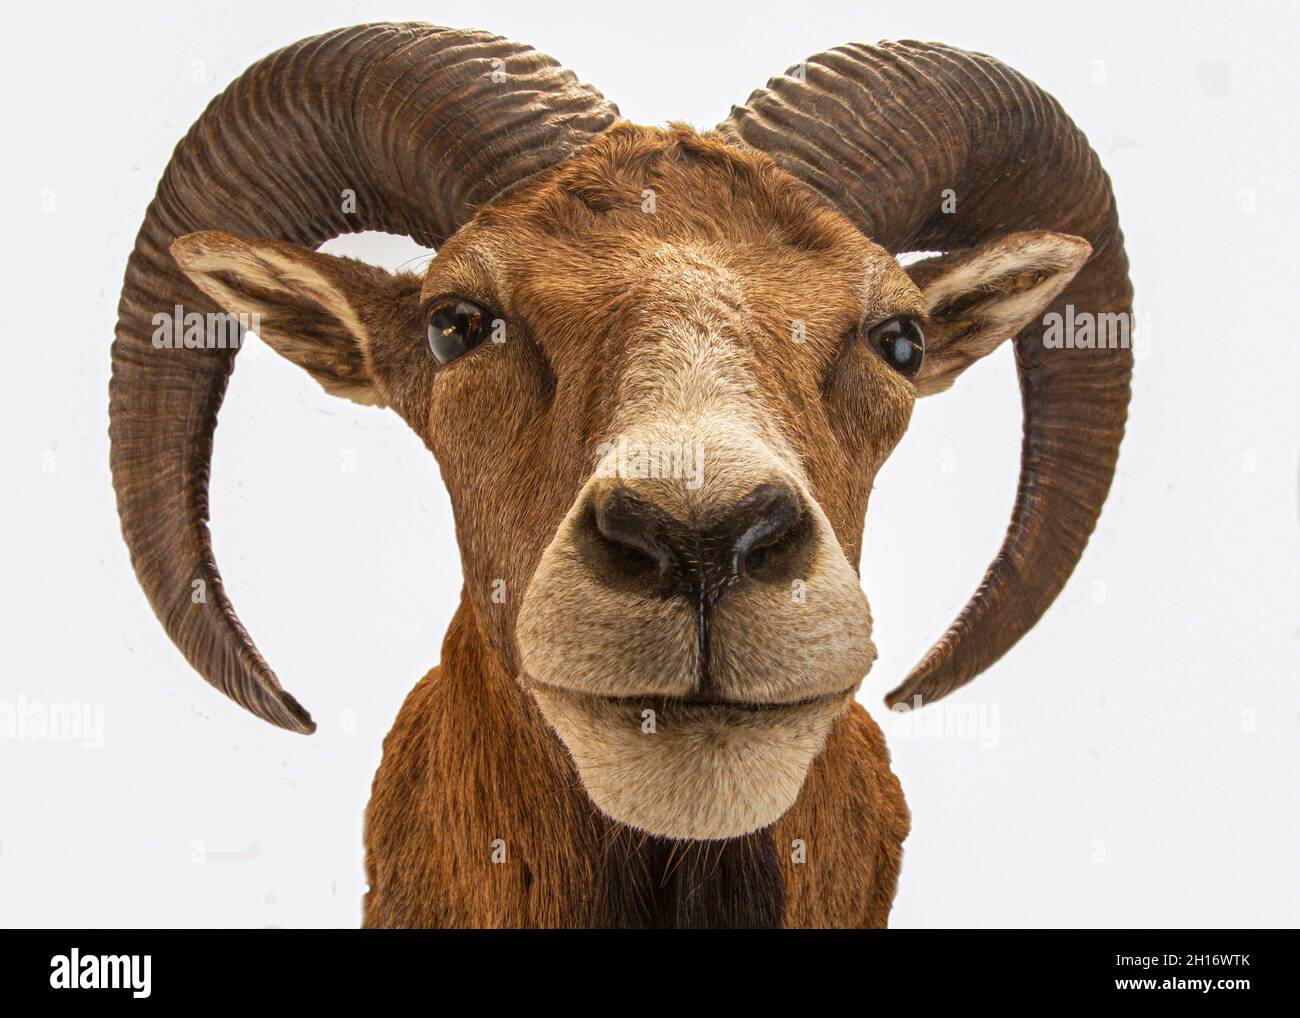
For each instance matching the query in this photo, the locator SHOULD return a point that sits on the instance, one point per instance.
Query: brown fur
(589, 283)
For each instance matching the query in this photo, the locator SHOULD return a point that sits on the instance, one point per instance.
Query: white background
(1142, 768)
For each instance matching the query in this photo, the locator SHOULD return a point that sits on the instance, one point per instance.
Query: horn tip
(901, 694)
(295, 717)
(927, 682)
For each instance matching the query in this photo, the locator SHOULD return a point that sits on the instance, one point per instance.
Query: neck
(479, 819)
(645, 882)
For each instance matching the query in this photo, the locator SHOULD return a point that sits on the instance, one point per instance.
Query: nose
(762, 537)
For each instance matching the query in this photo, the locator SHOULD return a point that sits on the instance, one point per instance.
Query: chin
(690, 769)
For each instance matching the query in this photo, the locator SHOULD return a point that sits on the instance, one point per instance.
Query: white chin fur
(704, 773)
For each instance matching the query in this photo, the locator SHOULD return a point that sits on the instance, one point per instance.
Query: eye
(456, 327)
(901, 342)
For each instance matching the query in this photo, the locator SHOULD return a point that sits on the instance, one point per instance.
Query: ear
(977, 297)
(323, 313)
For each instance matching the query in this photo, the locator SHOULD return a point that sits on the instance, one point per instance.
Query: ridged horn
(423, 124)
(882, 132)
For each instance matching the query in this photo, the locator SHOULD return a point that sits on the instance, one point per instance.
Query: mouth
(670, 704)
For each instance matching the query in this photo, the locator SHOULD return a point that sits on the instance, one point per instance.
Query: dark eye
(901, 342)
(456, 327)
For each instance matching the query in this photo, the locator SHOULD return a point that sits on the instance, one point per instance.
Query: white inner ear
(314, 287)
(1005, 317)
(270, 270)
(1057, 255)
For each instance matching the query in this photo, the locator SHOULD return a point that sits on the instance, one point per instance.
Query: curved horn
(423, 124)
(881, 132)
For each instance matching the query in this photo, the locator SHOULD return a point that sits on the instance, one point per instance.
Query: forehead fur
(700, 187)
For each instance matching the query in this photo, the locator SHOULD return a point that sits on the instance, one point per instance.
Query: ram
(645, 711)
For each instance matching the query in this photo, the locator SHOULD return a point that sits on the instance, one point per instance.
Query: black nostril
(640, 533)
(628, 539)
(760, 528)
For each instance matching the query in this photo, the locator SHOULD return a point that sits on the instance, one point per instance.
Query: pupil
(902, 349)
